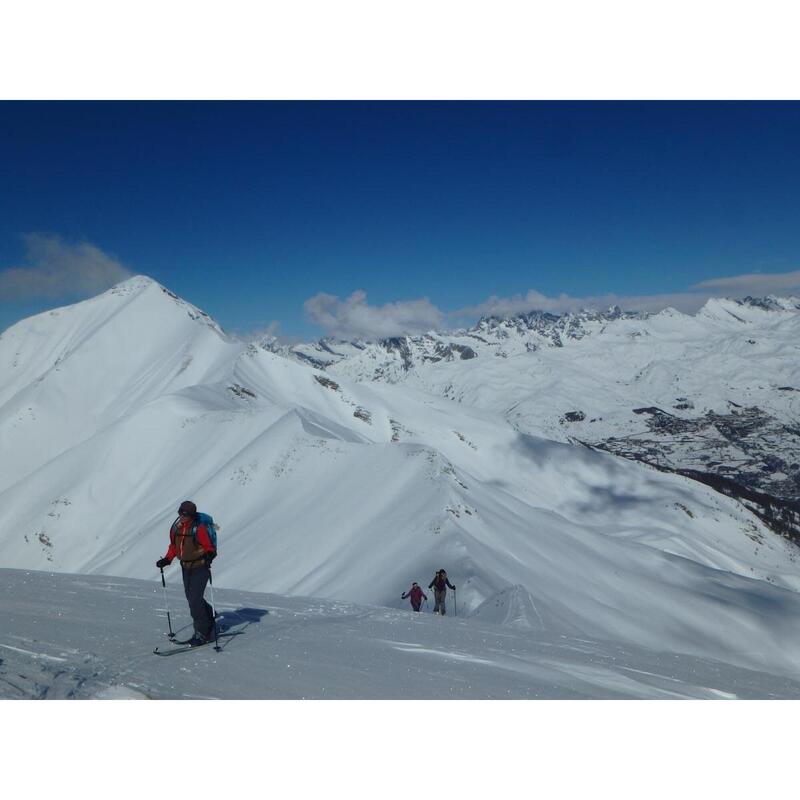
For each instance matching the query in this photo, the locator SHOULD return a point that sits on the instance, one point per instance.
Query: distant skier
(439, 585)
(416, 594)
(196, 551)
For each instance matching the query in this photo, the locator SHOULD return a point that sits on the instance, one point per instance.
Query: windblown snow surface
(92, 637)
(579, 574)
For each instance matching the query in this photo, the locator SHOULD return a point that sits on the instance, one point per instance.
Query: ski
(174, 650)
(182, 647)
(173, 637)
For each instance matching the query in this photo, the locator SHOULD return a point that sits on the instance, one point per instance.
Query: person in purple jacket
(439, 585)
(416, 594)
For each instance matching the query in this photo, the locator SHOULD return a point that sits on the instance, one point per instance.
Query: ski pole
(166, 604)
(213, 610)
(455, 604)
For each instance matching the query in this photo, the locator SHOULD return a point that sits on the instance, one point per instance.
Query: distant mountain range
(496, 336)
(714, 396)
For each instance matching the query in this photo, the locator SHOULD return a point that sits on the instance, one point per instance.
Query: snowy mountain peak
(773, 303)
(748, 309)
(537, 319)
(134, 284)
(94, 361)
(139, 290)
(142, 284)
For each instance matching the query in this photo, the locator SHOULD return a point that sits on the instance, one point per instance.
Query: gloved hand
(209, 557)
(163, 562)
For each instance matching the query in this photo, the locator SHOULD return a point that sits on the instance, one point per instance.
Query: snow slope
(348, 491)
(98, 645)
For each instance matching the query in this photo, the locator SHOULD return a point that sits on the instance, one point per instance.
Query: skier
(192, 544)
(416, 594)
(439, 585)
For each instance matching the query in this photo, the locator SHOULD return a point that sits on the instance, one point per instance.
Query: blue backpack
(211, 527)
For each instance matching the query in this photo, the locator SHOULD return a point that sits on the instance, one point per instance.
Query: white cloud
(55, 269)
(756, 284)
(354, 318)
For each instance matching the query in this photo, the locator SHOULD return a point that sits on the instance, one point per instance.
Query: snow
(99, 643)
(579, 574)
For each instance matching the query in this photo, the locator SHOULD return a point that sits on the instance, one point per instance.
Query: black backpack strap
(172, 529)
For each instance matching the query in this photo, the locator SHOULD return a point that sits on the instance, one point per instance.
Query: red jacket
(182, 543)
(416, 594)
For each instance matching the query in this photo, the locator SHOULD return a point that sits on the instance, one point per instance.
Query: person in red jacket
(195, 551)
(416, 594)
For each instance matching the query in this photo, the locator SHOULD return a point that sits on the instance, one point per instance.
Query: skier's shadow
(234, 621)
(242, 616)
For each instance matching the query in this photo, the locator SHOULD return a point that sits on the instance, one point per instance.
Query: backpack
(211, 527)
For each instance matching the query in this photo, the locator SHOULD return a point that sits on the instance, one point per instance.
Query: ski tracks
(37, 670)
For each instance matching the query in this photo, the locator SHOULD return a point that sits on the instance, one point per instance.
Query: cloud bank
(688, 302)
(55, 270)
(756, 284)
(354, 318)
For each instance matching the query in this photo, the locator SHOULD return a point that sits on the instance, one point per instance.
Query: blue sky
(372, 218)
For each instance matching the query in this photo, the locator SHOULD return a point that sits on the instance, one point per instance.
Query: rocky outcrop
(746, 454)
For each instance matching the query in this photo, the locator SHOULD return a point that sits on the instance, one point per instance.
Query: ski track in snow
(32, 654)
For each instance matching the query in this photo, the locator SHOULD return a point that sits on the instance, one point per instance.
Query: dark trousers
(194, 584)
(438, 596)
(415, 606)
